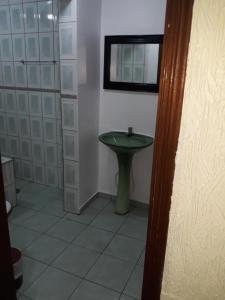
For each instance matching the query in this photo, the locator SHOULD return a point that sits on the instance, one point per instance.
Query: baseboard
(91, 199)
(110, 197)
(113, 198)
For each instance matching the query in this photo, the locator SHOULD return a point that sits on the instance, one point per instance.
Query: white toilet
(8, 207)
(10, 193)
(8, 173)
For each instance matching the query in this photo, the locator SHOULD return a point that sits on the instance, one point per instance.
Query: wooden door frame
(8, 290)
(173, 72)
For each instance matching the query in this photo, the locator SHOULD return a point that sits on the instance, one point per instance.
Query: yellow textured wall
(195, 257)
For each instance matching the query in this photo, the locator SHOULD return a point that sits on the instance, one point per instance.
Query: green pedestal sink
(125, 145)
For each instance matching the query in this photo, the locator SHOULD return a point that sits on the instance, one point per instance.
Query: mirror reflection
(137, 63)
(132, 62)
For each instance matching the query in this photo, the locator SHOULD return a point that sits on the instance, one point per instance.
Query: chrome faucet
(130, 131)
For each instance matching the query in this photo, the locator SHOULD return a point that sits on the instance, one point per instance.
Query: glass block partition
(69, 91)
(79, 35)
(42, 124)
(30, 104)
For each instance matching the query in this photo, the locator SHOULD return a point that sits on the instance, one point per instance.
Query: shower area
(30, 118)
(42, 128)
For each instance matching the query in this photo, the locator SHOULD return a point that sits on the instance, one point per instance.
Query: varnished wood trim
(173, 73)
(7, 286)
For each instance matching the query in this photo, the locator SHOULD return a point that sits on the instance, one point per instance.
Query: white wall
(88, 43)
(195, 263)
(119, 110)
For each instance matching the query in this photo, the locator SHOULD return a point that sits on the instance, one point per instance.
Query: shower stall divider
(49, 93)
(30, 90)
(79, 32)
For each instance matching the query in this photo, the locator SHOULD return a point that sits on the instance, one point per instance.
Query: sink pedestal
(122, 200)
(125, 145)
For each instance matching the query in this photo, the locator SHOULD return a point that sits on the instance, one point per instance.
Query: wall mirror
(132, 62)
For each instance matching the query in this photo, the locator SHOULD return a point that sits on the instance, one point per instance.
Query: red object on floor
(16, 256)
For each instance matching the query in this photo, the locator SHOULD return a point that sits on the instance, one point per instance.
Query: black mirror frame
(130, 39)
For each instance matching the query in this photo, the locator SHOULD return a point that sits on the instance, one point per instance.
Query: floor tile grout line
(74, 290)
(52, 263)
(121, 259)
(91, 226)
(20, 203)
(44, 186)
(31, 229)
(27, 246)
(137, 260)
(38, 261)
(131, 297)
(131, 237)
(46, 233)
(79, 277)
(125, 218)
(45, 193)
(114, 234)
(35, 210)
(48, 265)
(40, 210)
(90, 222)
(65, 216)
(70, 273)
(102, 253)
(53, 225)
(60, 239)
(41, 232)
(85, 274)
(31, 193)
(100, 285)
(99, 197)
(69, 244)
(132, 272)
(41, 273)
(72, 242)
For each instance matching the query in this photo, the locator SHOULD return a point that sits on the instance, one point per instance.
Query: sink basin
(120, 142)
(125, 147)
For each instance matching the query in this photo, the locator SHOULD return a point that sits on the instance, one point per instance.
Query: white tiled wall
(9, 180)
(68, 11)
(29, 118)
(28, 128)
(28, 30)
(69, 77)
(69, 114)
(39, 127)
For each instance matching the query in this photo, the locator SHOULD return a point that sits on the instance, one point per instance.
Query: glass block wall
(30, 104)
(79, 35)
(69, 93)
